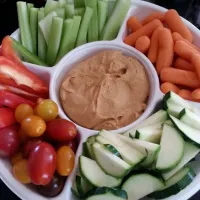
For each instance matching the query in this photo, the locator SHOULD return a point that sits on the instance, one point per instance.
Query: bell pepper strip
(11, 100)
(22, 77)
(7, 117)
(21, 93)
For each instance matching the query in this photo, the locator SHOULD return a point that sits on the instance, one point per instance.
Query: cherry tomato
(9, 141)
(72, 144)
(7, 117)
(47, 109)
(23, 136)
(33, 126)
(61, 130)
(42, 164)
(20, 171)
(23, 111)
(30, 146)
(40, 99)
(16, 157)
(54, 188)
(65, 160)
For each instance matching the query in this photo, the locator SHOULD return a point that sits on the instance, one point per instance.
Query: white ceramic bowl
(54, 76)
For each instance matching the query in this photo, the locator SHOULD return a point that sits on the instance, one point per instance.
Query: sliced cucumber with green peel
(190, 152)
(189, 118)
(188, 132)
(157, 118)
(140, 185)
(173, 109)
(105, 193)
(91, 172)
(113, 150)
(109, 162)
(169, 157)
(175, 184)
(150, 133)
(88, 147)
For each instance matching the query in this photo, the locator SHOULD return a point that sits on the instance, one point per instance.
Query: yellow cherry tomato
(16, 157)
(23, 111)
(33, 126)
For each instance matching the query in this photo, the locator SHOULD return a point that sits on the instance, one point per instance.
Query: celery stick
(25, 53)
(102, 14)
(69, 10)
(54, 40)
(111, 5)
(29, 6)
(74, 30)
(34, 27)
(45, 25)
(115, 21)
(65, 40)
(24, 25)
(79, 11)
(93, 28)
(60, 12)
(42, 46)
(62, 2)
(79, 3)
(50, 6)
(82, 35)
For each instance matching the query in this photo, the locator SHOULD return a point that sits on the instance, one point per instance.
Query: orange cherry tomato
(23, 111)
(16, 157)
(20, 171)
(65, 160)
(47, 109)
(33, 126)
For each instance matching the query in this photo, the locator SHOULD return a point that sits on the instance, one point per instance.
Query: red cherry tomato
(42, 164)
(72, 144)
(61, 130)
(9, 141)
(30, 146)
(7, 117)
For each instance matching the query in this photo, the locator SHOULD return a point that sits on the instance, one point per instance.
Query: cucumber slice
(175, 184)
(129, 154)
(190, 152)
(88, 147)
(140, 185)
(54, 40)
(150, 133)
(188, 132)
(169, 157)
(91, 172)
(173, 109)
(106, 193)
(45, 25)
(69, 10)
(189, 118)
(157, 118)
(82, 34)
(114, 23)
(169, 123)
(112, 149)
(147, 148)
(103, 140)
(110, 163)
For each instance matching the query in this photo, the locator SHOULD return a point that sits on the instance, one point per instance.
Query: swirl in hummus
(106, 91)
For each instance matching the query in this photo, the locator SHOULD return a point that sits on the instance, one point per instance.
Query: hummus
(106, 91)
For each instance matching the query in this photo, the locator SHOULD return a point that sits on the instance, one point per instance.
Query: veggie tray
(153, 156)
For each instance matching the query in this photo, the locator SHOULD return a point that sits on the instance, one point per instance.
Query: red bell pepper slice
(7, 117)
(23, 78)
(12, 100)
(21, 93)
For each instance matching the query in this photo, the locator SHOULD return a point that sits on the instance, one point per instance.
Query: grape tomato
(23, 111)
(7, 117)
(30, 146)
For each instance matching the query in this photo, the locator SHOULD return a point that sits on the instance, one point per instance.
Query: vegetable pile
(150, 159)
(167, 42)
(49, 33)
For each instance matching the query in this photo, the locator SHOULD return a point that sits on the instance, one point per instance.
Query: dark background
(190, 9)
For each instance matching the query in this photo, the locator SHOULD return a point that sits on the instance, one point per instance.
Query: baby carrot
(183, 64)
(195, 60)
(175, 23)
(142, 44)
(176, 36)
(133, 24)
(151, 17)
(153, 49)
(196, 94)
(166, 87)
(184, 50)
(165, 50)
(185, 94)
(180, 77)
(146, 30)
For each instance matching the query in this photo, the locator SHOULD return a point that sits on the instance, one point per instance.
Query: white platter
(54, 76)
